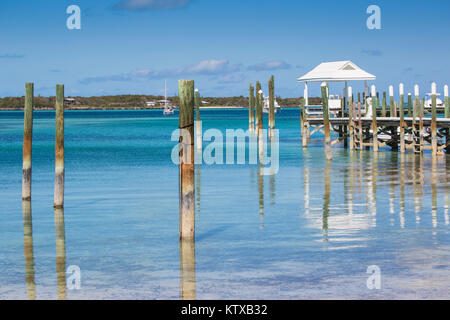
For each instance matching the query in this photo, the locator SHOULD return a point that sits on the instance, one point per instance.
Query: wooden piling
(350, 118)
(359, 97)
(447, 115)
(326, 122)
(374, 120)
(304, 123)
(260, 126)
(391, 102)
(198, 123)
(251, 108)
(434, 149)
(187, 167)
(59, 148)
(271, 104)
(27, 141)
(447, 102)
(402, 117)
(417, 134)
(383, 110)
(410, 105)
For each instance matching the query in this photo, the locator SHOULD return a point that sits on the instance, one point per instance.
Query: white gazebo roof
(337, 71)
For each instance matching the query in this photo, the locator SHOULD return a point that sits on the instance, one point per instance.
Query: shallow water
(310, 231)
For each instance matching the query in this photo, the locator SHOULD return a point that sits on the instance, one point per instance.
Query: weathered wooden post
(60, 234)
(434, 149)
(187, 167)
(374, 119)
(258, 119)
(59, 148)
(447, 102)
(391, 102)
(417, 134)
(28, 249)
(350, 118)
(359, 97)
(27, 141)
(410, 105)
(326, 122)
(447, 115)
(383, 110)
(271, 105)
(402, 117)
(198, 122)
(304, 123)
(260, 126)
(251, 108)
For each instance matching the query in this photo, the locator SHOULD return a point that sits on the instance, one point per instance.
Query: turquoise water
(311, 231)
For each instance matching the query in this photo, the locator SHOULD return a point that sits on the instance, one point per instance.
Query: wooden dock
(412, 126)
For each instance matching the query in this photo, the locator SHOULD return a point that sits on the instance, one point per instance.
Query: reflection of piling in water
(447, 202)
(417, 169)
(326, 199)
(197, 191)
(306, 186)
(187, 270)
(27, 141)
(402, 190)
(187, 167)
(60, 253)
(392, 187)
(28, 249)
(261, 193)
(434, 191)
(59, 147)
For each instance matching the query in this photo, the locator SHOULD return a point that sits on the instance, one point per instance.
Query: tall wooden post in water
(271, 104)
(258, 114)
(198, 123)
(433, 120)
(27, 141)
(374, 119)
(59, 147)
(447, 115)
(383, 110)
(410, 113)
(251, 108)
(187, 167)
(401, 109)
(350, 117)
(326, 122)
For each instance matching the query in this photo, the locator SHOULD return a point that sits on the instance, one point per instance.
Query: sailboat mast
(165, 94)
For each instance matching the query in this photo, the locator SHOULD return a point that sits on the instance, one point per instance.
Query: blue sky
(132, 46)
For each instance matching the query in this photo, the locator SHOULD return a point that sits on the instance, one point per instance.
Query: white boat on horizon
(168, 110)
(267, 104)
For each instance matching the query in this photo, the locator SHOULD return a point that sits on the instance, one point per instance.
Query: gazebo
(339, 71)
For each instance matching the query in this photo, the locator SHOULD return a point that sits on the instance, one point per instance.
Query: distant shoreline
(86, 108)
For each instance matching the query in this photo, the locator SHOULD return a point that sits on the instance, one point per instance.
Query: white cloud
(270, 65)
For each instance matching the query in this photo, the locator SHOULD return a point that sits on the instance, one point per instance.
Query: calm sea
(310, 231)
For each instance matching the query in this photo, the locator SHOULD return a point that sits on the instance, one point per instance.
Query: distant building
(150, 103)
(70, 101)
